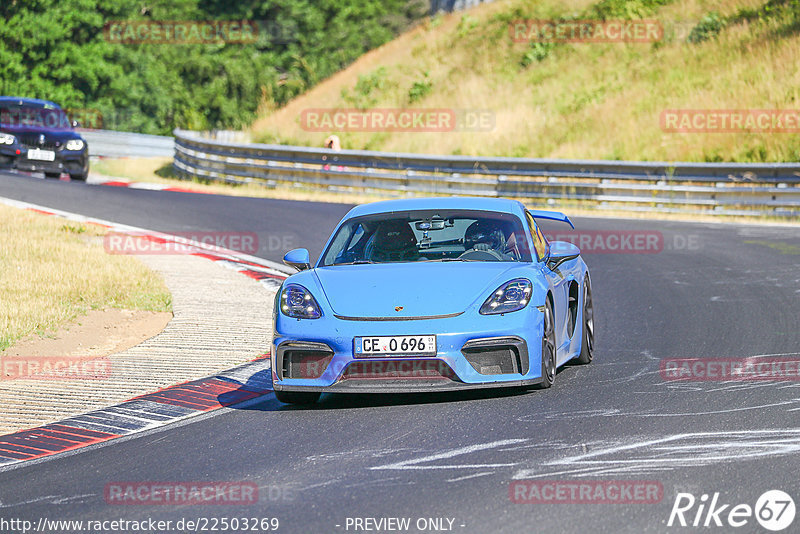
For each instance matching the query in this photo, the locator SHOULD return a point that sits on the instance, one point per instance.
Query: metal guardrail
(107, 143)
(715, 188)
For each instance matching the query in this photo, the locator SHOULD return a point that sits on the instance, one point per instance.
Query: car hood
(422, 289)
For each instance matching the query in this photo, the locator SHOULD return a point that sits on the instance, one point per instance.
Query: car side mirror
(298, 259)
(561, 251)
(76, 124)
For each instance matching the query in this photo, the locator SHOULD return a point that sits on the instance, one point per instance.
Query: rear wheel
(297, 397)
(587, 341)
(548, 349)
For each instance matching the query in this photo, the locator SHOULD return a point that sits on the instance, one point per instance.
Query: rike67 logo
(774, 510)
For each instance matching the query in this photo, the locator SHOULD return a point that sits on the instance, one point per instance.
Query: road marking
(613, 412)
(676, 451)
(476, 475)
(413, 464)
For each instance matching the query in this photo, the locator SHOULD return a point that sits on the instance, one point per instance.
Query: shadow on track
(264, 400)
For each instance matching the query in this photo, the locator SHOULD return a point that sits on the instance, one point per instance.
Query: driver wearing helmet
(487, 236)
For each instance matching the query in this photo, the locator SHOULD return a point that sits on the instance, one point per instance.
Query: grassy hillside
(574, 100)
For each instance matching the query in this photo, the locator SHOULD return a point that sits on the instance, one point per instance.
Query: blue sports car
(432, 294)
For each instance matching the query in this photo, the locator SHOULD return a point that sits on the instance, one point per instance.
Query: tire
(548, 349)
(81, 177)
(52, 175)
(587, 339)
(297, 397)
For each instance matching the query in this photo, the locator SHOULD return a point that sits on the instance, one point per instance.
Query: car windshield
(418, 236)
(33, 117)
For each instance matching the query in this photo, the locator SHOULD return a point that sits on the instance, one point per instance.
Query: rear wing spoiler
(552, 215)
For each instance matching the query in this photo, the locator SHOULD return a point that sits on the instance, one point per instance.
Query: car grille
(499, 361)
(304, 360)
(32, 141)
(498, 356)
(399, 370)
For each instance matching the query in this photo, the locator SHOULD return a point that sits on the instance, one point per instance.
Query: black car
(37, 135)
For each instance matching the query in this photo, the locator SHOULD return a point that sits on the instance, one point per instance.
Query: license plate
(41, 155)
(364, 347)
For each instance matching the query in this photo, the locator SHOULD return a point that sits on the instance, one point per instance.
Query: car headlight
(7, 139)
(297, 302)
(510, 297)
(75, 144)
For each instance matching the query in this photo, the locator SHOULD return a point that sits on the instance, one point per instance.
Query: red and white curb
(152, 410)
(117, 182)
(95, 179)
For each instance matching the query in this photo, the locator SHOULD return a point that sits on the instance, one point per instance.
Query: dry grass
(52, 271)
(135, 169)
(598, 101)
(144, 170)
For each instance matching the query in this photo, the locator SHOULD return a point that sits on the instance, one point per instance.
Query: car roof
(33, 102)
(503, 205)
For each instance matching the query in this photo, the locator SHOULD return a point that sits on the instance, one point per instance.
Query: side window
(539, 242)
(344, 242)
(356, 237)
(336, 245)
(542, 239)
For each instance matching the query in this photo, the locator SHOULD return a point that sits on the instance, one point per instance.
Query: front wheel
(587, 341)
(548, 349)
(297, 397)
(80, 177)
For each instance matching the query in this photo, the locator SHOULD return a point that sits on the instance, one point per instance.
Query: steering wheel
(481, 255)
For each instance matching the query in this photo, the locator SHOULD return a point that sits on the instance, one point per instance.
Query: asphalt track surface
(727, 291)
